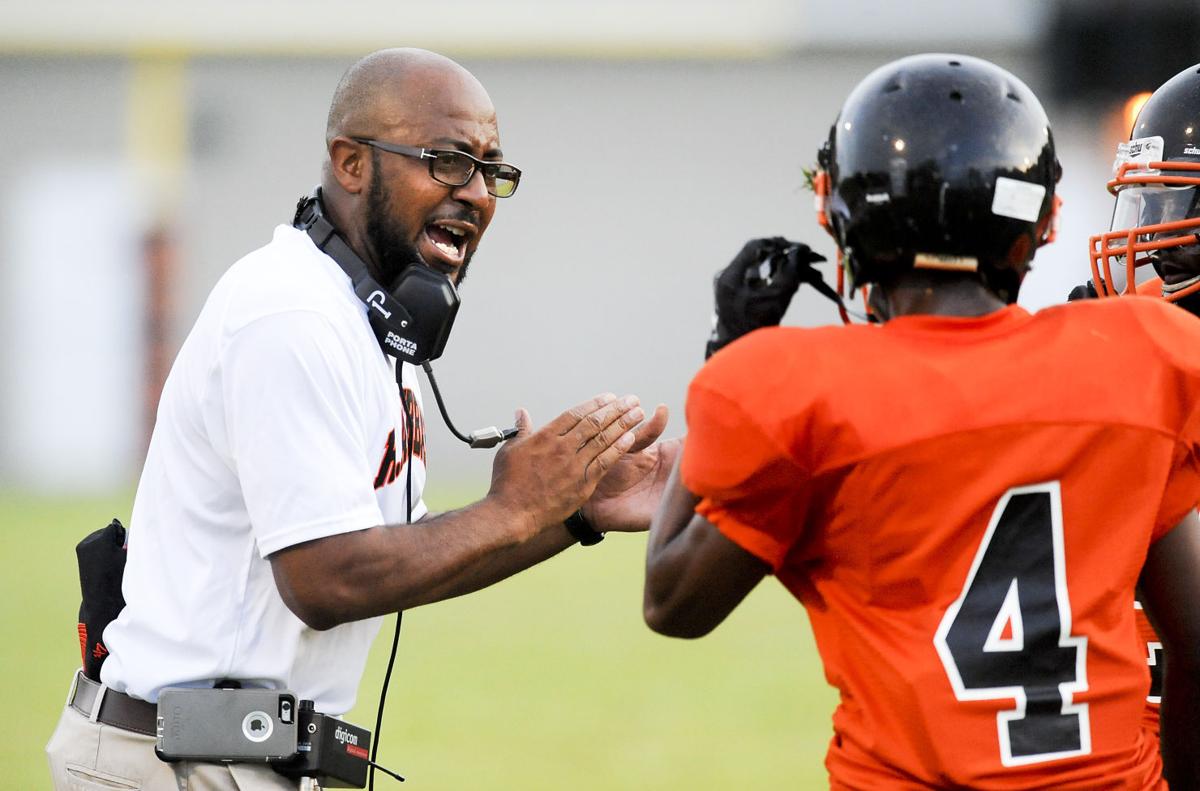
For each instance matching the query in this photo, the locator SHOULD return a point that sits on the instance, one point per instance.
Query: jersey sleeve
(1177, 334)
(295, 430)
(1183, 489)
(750, 487)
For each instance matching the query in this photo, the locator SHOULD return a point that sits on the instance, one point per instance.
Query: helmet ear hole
(1050, 230)
(821, 194)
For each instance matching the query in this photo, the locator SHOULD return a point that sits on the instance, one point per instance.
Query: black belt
(116, 708)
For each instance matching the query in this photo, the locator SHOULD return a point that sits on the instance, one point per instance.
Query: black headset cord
(488, 437)
(409, 446)
(481, 438)
(387, 677)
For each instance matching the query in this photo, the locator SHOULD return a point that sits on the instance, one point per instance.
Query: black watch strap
(583, 531)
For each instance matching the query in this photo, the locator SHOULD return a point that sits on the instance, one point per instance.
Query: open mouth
(447, 243)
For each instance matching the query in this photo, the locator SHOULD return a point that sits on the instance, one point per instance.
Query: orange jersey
(964, 507)
(1151, 288)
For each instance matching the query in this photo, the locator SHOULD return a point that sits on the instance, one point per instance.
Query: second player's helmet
(1156, 217)
(939, 162)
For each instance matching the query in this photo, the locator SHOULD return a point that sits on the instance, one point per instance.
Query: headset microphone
(412, 321)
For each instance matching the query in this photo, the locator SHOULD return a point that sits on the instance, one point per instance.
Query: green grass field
(549, 680)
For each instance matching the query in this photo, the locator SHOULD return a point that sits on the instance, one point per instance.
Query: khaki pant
(91, 756)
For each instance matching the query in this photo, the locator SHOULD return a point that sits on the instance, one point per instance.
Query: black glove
(756, 288)
(1084, 291)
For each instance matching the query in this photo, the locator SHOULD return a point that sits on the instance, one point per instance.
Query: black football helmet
(1156, 217)
(939, 162)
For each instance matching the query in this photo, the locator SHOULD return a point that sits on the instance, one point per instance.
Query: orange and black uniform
(964, 506)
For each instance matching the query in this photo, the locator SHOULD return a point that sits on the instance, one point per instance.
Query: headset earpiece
(414, 319)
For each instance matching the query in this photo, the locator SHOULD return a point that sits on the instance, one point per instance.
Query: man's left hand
(628, 495)
(754, 291)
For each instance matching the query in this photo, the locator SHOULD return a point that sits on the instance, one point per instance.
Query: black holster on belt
(101, 567)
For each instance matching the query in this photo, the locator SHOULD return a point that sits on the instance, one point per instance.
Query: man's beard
(393, 253)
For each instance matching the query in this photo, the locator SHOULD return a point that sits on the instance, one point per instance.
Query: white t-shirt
(280, 423)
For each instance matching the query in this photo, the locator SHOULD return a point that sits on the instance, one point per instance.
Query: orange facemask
(1144, 224)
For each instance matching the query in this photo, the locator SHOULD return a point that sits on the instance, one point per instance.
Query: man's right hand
(547, 474)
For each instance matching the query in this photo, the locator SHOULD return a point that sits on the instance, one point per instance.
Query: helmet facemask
(1155, 223)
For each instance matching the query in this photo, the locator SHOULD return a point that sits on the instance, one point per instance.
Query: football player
(961, 498)
(1151, 246)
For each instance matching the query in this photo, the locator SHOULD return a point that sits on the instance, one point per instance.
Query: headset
(411, 321)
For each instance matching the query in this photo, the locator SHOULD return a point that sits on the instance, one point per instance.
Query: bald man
(279, 515)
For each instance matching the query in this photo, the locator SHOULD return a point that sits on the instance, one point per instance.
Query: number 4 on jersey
(1008, 635)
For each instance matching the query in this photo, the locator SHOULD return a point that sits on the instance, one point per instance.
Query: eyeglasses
(456, 168)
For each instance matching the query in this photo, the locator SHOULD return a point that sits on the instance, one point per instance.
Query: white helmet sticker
(1141, 151)
(1020, 200)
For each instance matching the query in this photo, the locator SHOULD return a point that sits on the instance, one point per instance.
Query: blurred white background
(147, 146)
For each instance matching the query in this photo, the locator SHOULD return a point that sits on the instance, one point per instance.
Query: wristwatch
(578, 526)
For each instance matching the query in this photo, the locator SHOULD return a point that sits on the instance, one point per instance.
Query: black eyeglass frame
(481, 165)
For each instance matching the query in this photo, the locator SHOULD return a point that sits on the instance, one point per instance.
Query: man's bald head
(392, 87)
(392, 208)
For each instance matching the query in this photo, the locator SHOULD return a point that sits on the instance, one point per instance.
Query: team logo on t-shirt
(389, 466)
